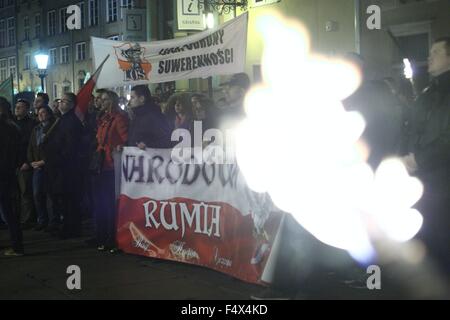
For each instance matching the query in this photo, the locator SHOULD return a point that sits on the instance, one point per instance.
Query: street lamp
(209, 20)
(42, 63)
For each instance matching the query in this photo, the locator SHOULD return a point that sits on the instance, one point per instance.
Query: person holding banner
(149, 127)
(112, 134)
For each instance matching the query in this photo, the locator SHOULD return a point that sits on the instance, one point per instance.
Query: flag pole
(85, 93)
(101, 65)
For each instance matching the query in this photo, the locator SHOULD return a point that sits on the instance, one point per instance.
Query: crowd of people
(54, 168)
(57, 169)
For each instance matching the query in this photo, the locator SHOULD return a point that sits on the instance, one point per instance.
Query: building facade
(28, 27)
(335, 27)
(316, 15)
(408, 29)
(8, 41)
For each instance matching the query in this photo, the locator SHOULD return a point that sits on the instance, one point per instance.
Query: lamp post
(42, 63)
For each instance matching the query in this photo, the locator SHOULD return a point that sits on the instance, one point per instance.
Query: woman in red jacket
(112, 133)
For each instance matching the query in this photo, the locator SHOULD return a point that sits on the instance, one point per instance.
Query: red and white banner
(198, 214)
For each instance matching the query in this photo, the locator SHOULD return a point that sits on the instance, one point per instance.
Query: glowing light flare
(340, 78)
(209, 20)
(402, 226)
(289, 37)
(408, 70)
(395, 187)
(296, 121)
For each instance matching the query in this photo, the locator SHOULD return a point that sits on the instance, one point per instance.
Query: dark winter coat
(429, 137)
(151, 127)
(62, 150)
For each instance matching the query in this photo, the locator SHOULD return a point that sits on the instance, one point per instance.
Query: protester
(98, 102)
(25, 175)
(37, 159)
(429, 154)
(203, 110)
(62, 150)
(9, 162)
(235, 90)
(179, 111)
(55, 108)
(112, 133)
(42, 100)
(148, 127)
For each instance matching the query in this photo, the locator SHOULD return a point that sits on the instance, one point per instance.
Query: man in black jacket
(429, 154)
(25, 198)
(62, 150)
(9, 155)
(149, 128)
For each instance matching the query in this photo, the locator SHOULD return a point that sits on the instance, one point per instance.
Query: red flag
(85, 93)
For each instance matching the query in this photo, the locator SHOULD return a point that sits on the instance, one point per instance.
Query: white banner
(218, 51)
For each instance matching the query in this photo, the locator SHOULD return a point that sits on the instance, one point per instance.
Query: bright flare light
(41, 61)
(408, 71)
(298, 127)
(209, 20)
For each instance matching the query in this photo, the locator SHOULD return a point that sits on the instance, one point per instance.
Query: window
(125, 4)
(81, 51)
(67, 87)
(12, 66)
(2, 33)
(128, 4)
(9, 3)
(63, 20)
(27, 61)
(53, 56)
(55, 91)
(65, 54)
(11, 25)
(3, 69)
(37, 25)
(81, 6)
(93, 13)
(51, 23)
(112, 10)
(2, 3)
(26, 28)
